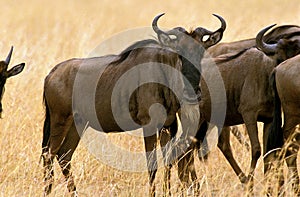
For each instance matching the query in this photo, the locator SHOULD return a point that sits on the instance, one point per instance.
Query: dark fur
(126, 52)
(275, 137)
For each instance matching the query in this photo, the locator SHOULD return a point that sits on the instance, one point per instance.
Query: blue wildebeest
(5, 74)
(286, 84)
(65, 115)
(246, 76)
(290, 32)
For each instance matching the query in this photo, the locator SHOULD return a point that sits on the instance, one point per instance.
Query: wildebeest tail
(275, 137)
(46, 129)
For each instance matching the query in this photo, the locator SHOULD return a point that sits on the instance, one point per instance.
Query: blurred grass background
(45, 33)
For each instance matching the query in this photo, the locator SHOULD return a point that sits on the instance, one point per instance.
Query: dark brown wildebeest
(5, 74)
(286, 85)
(281, 32)
(246, 76)
(290, 32)
(77, 88)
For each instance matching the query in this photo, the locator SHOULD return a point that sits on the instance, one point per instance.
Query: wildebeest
(286, 85)
(5, 74)
(281, 32)
(249, 94)
(71, 102)
(231, 49)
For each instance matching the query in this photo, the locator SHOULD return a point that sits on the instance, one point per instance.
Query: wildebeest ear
(15, 70)
(214, 38)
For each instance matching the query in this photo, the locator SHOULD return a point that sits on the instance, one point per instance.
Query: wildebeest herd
(259, 78)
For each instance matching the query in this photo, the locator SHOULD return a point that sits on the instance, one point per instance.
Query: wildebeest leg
(150, 141)
(186, 167)
(269, 158)
(59, 128)
(266, 129)
(190, 117)
(291, 160)
(48, 172)
(165, 137)
(252, 130)
(201, 143)
(166, 142)
(183, 168)
(191, 169)
(292, 140)
(239, 136)
(65, 155)
(224, 146)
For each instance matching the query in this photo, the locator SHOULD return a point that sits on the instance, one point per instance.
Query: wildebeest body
(135, 89)
(286, 85)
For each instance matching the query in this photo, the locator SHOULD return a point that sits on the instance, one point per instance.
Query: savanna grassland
(45, 33)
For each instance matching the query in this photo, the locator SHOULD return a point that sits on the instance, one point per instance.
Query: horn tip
(161, 14)
(268, 27)
(158, 16)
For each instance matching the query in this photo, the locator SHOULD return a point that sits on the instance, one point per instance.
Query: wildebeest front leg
(150, 141)
(224, 146)
(165, 137)
(251, 126)
(183, 171)
(186, 167)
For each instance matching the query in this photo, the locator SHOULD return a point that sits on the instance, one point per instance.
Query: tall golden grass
(45, 33)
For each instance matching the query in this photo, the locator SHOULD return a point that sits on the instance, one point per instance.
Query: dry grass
(45, 33)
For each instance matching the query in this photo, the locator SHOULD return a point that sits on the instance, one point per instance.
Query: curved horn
(266, 48)
(154, 24)
(9, 55)
(223, 22)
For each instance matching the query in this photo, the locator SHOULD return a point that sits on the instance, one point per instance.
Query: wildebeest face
(5, 74)
(190, 46)
(187, 42)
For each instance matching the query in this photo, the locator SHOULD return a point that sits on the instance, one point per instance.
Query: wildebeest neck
(191, 69)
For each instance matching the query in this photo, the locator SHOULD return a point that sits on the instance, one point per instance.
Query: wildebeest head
(190, 46)
(5, 74)
(282, 50)
(213, 37)
(182, 41)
